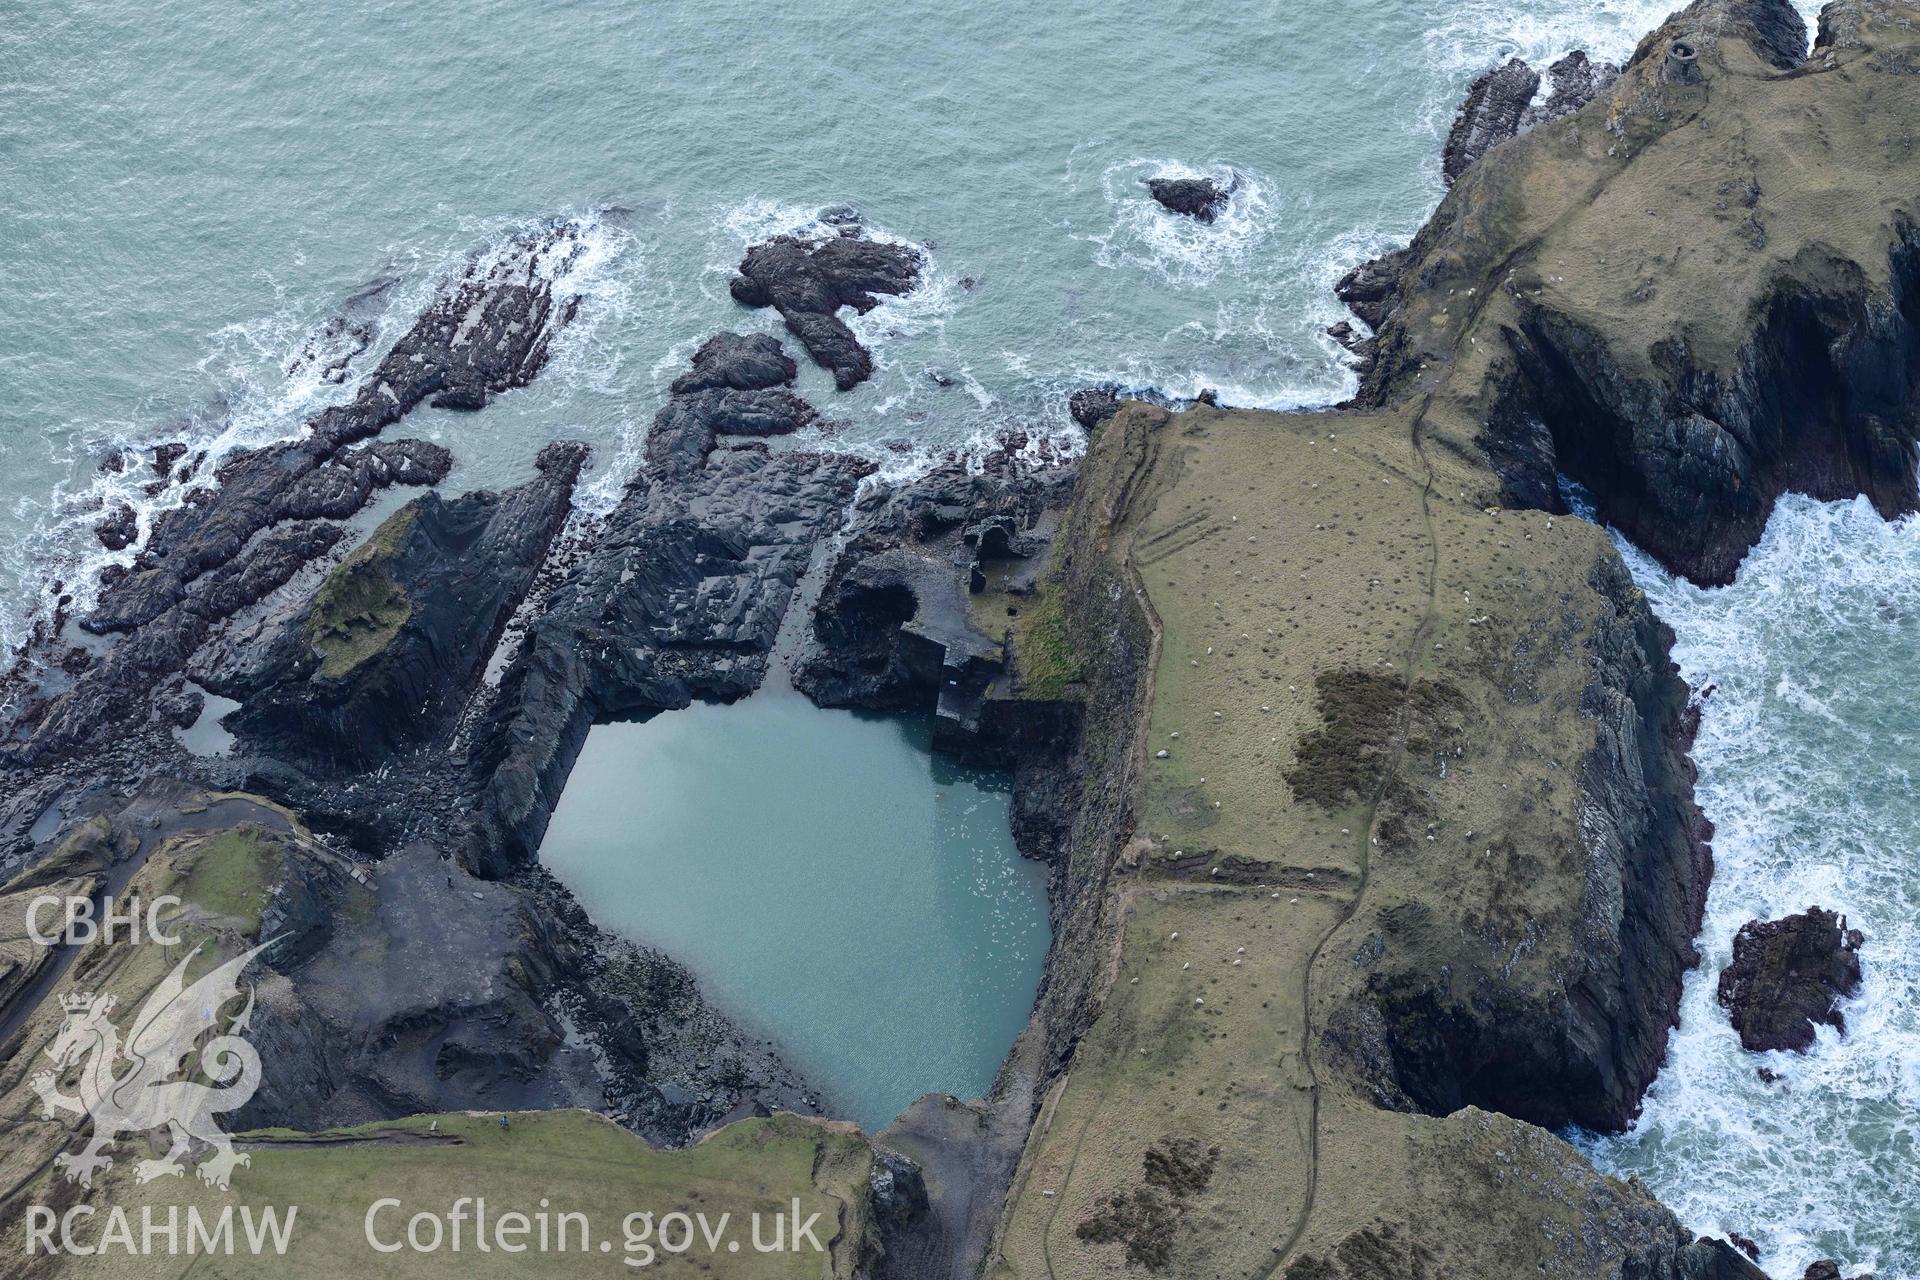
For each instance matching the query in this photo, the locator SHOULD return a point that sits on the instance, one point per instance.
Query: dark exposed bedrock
(1500, 105)
(491, 330)
(272, 511)
(393, 642)
(1201, 199)
(1689, 463)
(894, 628)
(808, 282)
(679, 595)
(1789, 976)
(1491, 114)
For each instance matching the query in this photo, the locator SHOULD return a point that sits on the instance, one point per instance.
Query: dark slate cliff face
(394, 642)
(1495, 104)
(1112, 628)
(1564, 1020)
(679, 597)
(1689, 465)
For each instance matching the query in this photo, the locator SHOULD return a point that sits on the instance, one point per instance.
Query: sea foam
(273, 373)
(1807, 753)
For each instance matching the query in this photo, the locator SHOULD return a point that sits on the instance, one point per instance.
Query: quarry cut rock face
(1046, 676)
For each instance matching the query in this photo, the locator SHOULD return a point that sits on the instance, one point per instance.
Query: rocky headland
(1359, 763)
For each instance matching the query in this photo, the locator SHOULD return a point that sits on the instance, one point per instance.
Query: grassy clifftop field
(1413, 840)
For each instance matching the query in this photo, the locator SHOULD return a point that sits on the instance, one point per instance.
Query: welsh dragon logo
(149, 1092)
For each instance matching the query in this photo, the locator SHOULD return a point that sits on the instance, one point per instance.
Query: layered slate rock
(395, 638)
(808, 281)
(115, 694)
(1491, 114)
(490, 331)
(271, 510)
(738, 386)
(680, 595)
(1576, 80)
(1788, 977)
(1502, 103)
(1201, 199)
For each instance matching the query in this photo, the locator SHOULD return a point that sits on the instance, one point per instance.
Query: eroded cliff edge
(1411, 856)
(1361, 770)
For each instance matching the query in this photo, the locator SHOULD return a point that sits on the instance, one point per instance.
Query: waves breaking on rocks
(1807, 758)
(273, 375)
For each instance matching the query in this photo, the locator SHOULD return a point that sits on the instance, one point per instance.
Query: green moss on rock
(360, 608)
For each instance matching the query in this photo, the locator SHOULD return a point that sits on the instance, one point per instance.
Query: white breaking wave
(1269, 260)
(1182, 251)
(1807, 751)
(1465, 38)
(273, 374)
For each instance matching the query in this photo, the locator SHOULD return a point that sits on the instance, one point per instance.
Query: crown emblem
(143, 1095)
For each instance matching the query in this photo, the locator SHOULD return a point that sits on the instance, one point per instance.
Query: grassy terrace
(224, 856)
(1304, 575)
(360, 609)
(549, 1162)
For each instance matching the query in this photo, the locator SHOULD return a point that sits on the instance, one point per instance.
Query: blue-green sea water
(1808, 753)
(856, 896)
(189, 191)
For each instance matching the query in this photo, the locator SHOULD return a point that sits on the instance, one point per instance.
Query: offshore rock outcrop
(1201, 199)
(808, 281)
(228, 547)
(738, 386)
(1788, 977)
(1576, 80)
(1092, 406)
(680, 597)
